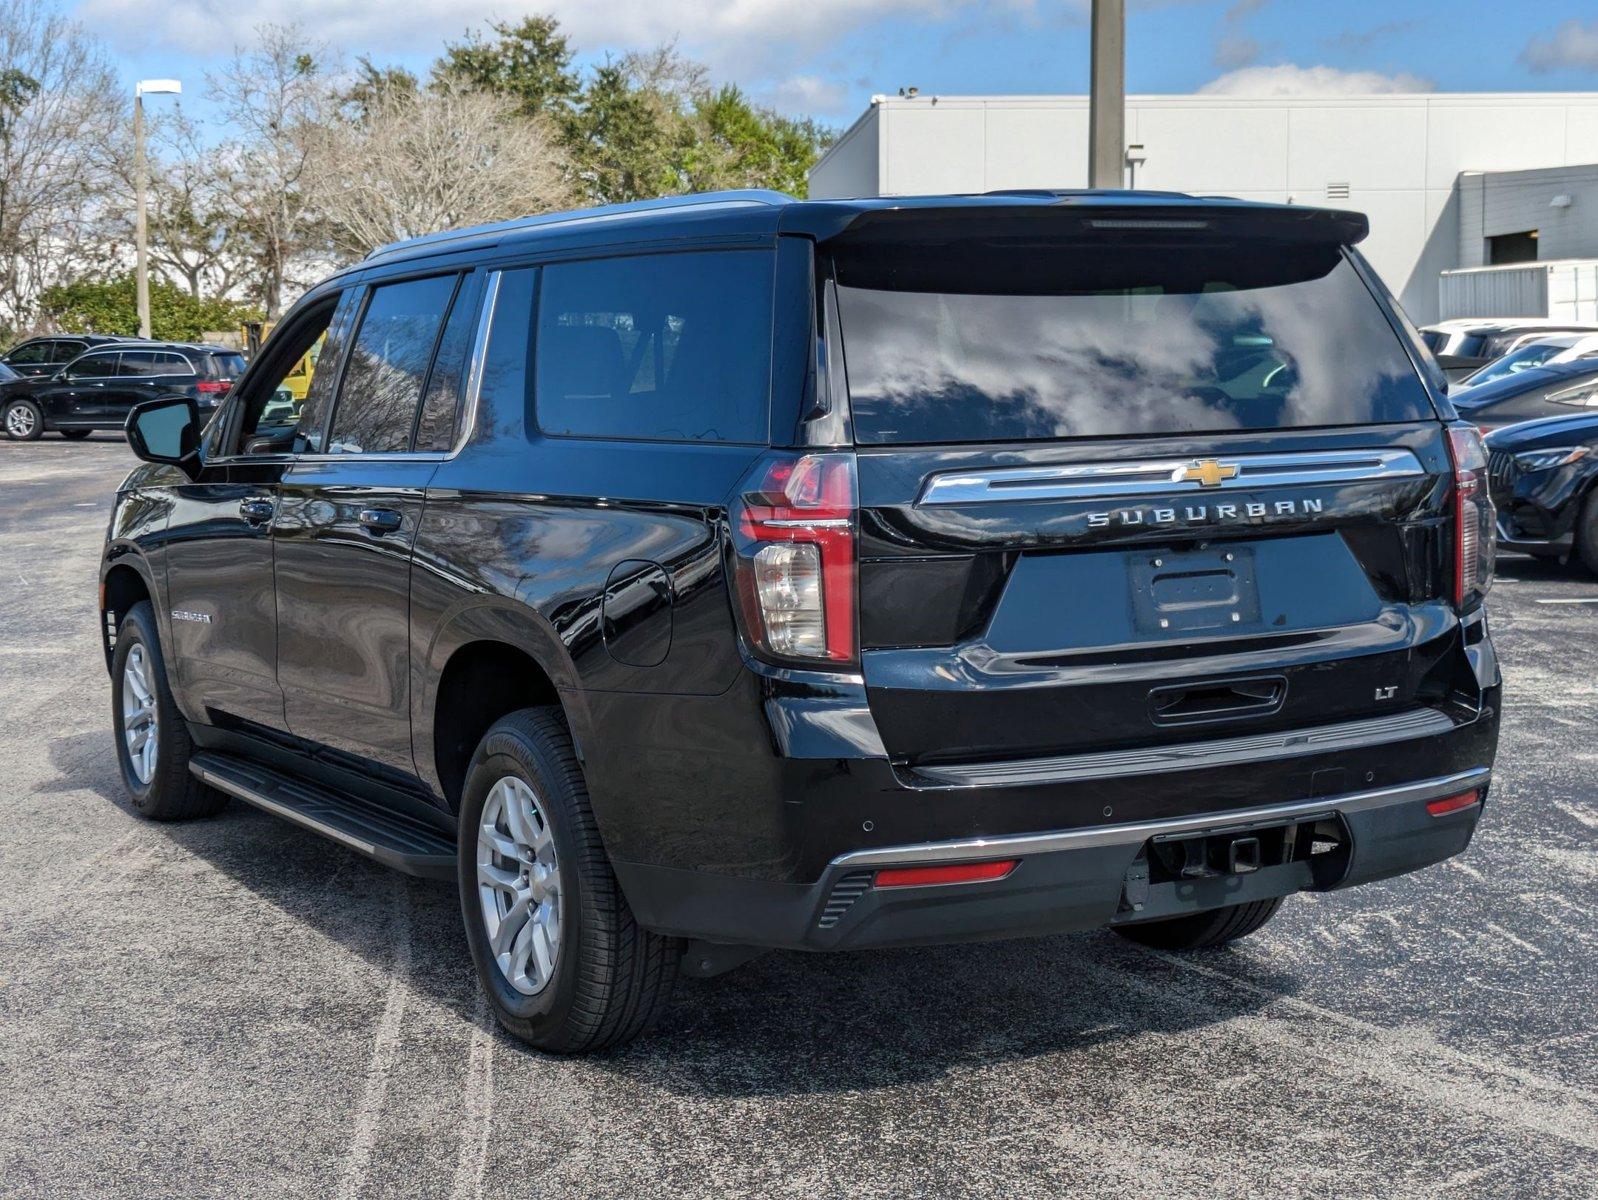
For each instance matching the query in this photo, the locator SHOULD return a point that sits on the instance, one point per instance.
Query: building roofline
(1205, 99)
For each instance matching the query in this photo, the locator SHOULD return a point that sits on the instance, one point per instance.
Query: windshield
(971, 343)
(1515, 361)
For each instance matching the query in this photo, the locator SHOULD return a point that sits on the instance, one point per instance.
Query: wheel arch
(483, 663)
(125, 580)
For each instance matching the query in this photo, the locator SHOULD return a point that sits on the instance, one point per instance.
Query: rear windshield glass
(226, 366)
(986, 342)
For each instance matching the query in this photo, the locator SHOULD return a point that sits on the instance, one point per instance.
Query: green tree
(738, 144)
(110, 306)
(530, 62)
(627, 141)
(374, 84)
(644, 126)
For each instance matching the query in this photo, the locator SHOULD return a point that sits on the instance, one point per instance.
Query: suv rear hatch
(1134, 477)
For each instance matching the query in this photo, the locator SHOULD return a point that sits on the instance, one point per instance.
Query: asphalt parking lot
(236, 1008)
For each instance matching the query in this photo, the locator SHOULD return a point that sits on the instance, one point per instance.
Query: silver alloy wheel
(19, 421)
(141, 726)
(518, 885)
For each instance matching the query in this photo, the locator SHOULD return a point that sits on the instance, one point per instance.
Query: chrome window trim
(1136, 833)
(479, 354)
(1154, 477)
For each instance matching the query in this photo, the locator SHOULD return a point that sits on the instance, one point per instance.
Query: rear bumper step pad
(1189, 756)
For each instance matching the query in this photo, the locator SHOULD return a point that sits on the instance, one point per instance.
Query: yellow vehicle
(298, 381)
(291, 392)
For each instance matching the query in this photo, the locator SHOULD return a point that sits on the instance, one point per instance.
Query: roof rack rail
(576, 216)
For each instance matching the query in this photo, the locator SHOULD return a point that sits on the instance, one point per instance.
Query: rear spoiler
(1023, 215)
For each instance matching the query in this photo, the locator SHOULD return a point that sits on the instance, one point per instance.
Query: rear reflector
(1449, 804)
(954, 873)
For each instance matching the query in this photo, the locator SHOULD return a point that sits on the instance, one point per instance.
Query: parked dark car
(98, 390)
(47, 355)
(1462, 353)
(731, 572)
(1544, 481)
(1549, 390)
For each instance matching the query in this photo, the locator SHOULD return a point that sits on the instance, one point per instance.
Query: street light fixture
(153, 87)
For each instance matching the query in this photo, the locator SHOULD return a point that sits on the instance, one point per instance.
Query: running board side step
(390, 837)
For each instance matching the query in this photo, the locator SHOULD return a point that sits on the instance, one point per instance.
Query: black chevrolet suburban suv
(730, 572)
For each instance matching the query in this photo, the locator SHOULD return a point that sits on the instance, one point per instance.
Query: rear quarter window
(664, 347)
(989, 342)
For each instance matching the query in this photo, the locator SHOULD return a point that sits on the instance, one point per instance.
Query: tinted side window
(168, 362)
(139, 362)
(382, 389)
(436, 429)
(94, 366)
(30, 352)
(673, 347)
(65, 351)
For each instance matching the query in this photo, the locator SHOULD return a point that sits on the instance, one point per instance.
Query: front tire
(153, 744)
(562, 960)
(23, 421)
(1587, 533)
(1205, 930)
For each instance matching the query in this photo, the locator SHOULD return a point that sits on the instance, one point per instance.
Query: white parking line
(1570, 600)
(385, 1047)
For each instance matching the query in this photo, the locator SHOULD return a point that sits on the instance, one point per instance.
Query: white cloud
(706, 26)
(768, 46)
(1288, 79)
(807, 94)
(1573, 45)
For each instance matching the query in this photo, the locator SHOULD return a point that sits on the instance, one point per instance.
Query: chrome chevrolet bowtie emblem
(1207, 473)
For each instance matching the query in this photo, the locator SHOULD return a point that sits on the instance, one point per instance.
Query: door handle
(256, 512)
(381, 520)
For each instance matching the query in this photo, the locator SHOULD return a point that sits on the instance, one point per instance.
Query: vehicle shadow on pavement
(784, 1024)
(1524, 568)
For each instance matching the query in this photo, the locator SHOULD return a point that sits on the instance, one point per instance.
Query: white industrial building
(1448, 180)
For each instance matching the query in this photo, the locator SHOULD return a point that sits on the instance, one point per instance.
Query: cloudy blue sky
(826, 57)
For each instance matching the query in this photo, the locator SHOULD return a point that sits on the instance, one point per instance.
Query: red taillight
(1448, 804)
(954, 873)
(794, 542)
(213, 387)
(1475, 529)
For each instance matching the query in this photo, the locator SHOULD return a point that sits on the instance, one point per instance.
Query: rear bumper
(1066, 880)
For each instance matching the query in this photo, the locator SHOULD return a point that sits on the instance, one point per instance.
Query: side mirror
(167, 431)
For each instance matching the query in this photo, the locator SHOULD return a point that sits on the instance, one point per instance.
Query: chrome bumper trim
(1135, 834)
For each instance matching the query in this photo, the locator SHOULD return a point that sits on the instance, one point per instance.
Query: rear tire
(1204, 930)
(23, 422)
(1587, 533)
(143, 714)
(586, 977)
(74, 435)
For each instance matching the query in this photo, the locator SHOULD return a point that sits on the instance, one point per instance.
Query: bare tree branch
(417, 162)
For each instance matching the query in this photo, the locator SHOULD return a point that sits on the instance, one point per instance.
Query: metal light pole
(1107, 97)
(141, 172)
